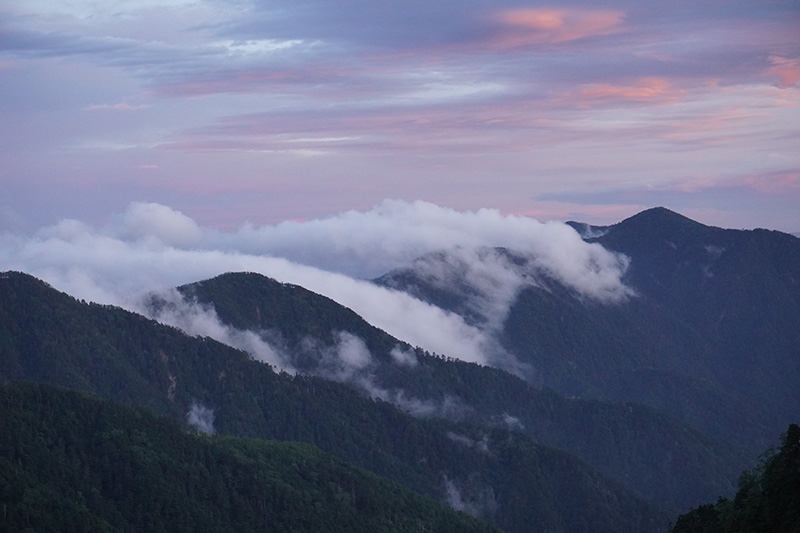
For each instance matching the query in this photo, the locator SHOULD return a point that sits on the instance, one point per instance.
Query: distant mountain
(609, 436)
(70, 462)
(738, 292)
(500, 475)
(711, 336)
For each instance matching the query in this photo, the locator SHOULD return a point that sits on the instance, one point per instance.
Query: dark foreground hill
(649, 451)
(768, 498)
(502, 476)
(70, 462)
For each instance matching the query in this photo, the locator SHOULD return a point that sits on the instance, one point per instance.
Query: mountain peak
(657, 223)
(660, 216)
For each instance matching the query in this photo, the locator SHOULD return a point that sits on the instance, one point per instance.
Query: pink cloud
(781, 182)
(786, 70)
(774, 182)
(523, 27)
(651, 90)
(712, 128)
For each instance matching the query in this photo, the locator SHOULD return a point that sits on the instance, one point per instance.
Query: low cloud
(347, 360)
(151, 247)
(472, 497)
(480, 445)
(367, 244)
(201, 418)
(403, 357)
(169, 307)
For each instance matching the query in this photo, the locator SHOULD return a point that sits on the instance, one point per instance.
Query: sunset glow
(257, 111)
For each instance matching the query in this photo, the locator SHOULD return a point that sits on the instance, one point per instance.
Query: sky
(241, 114)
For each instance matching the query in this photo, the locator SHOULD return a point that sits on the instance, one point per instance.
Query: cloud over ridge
(151, 247)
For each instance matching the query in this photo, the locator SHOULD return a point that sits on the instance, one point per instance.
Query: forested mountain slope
(71, 462)
(709, 334)
(736, 291)
(647, 450)
(497, 474)
(768, 498)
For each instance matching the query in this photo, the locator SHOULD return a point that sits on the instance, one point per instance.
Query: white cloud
(201, 418)
(149, 220)
(151, 247)
(403, 357)
(368, 244)
(196, 320)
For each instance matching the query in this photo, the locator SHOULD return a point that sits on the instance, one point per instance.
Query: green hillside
(502, 476)
(768, 498)
(70, 462)
(647, 450)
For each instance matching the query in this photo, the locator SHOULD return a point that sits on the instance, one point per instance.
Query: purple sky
(237, 111)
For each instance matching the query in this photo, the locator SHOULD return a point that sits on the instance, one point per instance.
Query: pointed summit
(656, 224)
(659, 218)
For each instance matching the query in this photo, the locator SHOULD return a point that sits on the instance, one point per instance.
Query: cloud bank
(151, 247)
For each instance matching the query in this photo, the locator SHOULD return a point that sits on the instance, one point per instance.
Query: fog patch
(349, 361)
(449, 407)
(171, 308)
(404, 357)
(476, 499)
(479, 445)
(201, 418)
(512, 422)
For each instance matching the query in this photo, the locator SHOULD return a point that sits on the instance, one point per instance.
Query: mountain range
(595, 414)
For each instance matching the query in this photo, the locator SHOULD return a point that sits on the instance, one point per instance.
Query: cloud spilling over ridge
(486, 281)
(151, 247)
(169, 307)
(370, 243)
(347, 360)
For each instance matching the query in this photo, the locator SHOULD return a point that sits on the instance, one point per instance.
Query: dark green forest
(502, 476)
(768, 498)
(71, 462)
(652, 452)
